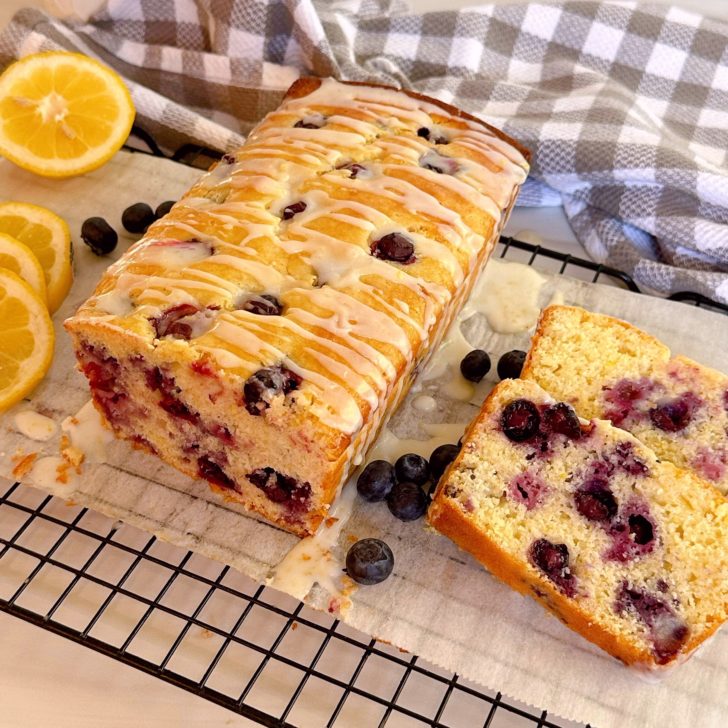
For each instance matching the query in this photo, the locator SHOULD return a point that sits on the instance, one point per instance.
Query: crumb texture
(627, 550)
(609, 369)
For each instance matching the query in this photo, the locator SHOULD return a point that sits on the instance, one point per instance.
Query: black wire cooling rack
(205, 628)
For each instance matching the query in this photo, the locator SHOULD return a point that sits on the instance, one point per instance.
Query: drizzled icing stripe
(325, 274)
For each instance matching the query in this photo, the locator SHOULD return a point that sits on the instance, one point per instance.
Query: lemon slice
(26, 339)
(62, 114)
(49, 239)
(20, 260)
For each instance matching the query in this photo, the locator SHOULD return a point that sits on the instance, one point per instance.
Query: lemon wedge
(20, 260)
(26, 339)
(62, 114)
(48, 237)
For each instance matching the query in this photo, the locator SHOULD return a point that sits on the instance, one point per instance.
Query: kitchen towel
(625, 106)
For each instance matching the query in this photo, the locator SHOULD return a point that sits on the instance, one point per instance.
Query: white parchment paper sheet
(439, 603)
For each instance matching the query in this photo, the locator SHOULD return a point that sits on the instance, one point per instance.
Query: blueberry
(442, 457)
(264, 305)
(475, 365)
(353, 168)
(310, 122)
(595, 501)
(293, 209)
(640, 529)
(137, 218)
(413, 468)
(260, 388)
(211, 471)
(375, 481)
(675, 415)
(553, 560)
(407, 501)
(562, 419)
(228, 159)
(169, 324)
(510, 364)
(281, 488)
(395, 247)
(163, 208)
(99, 235)
(520, 420)
(369, 561)
(423, 132)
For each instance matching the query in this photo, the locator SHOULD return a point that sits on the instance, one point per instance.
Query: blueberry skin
(137, 217)
(163, 208)
(442, 457)
(369, 561)
(511, 363)
(99, 235)
(475, 365)
(413, 468)
(407, 501)
(376, 481)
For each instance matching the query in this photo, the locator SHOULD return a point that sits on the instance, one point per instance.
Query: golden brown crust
(308, 84)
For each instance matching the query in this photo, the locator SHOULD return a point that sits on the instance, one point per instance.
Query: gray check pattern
(624, 107)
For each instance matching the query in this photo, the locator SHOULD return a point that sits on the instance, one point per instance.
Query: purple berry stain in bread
(263, 305)
(562, 419)
(632, 532)
(528, 489)
(293, 209)
(212, 472)
(676, 414)
(668, 632)
(436, 162)
(395, 247)
(626, 460)
(281, 488)
(553, 560)
(710, 463)
(260, 388)
(520, 420)
(624, 398)
(169, 324)
(595, 501)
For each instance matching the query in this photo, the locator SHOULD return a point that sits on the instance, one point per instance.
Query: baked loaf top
(627, 550)
(326, 248)
(608, 368)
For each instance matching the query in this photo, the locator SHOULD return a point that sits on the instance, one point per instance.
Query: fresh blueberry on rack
(376, 481)
(263, 305)
(137, 217)
(395, 247)
(562, 419)
(163, 208)
(260, 388)
(441, 457)
(369, 561)
(475, 365)
(99, 235)
(290, 210)
(413, 468)
(407, 501)
(520, 420)
(511, 363)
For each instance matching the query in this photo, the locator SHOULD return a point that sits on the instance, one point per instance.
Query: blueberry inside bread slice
(608, 368)
(630, 552)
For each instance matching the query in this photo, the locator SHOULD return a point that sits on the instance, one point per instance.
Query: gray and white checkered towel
(625, 107)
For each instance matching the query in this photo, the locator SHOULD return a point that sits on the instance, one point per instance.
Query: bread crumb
(23, 464)
(330, 521)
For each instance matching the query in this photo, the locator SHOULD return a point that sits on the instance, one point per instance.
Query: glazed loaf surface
(630, 552)
(610, 369)
(260, 334)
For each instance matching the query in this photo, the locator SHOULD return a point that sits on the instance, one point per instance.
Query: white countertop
(48, 680)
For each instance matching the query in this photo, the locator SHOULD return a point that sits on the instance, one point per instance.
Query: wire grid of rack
(203, 627)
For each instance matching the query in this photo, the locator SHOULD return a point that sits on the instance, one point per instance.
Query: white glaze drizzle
(351, 370)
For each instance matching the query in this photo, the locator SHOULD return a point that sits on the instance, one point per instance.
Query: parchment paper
(439, 603)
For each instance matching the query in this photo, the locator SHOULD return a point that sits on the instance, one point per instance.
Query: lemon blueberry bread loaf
(627, 550)
(260, 334)
(608, 368)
